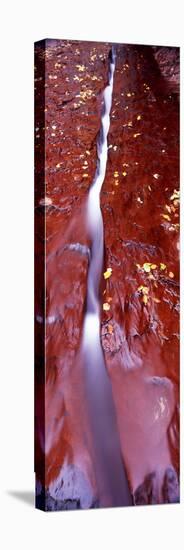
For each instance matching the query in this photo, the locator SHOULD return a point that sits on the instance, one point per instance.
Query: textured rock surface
(139, 201)
(140, 209)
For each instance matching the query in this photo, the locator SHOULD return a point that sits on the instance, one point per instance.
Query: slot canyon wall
(139, 288)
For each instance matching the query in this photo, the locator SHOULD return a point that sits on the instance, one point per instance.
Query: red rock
(141, 347)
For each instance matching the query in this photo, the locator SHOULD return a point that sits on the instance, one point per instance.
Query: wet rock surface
(140, 207)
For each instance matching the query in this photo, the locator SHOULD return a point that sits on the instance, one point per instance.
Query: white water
(109, 469)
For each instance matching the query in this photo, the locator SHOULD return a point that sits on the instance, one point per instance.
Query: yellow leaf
(153, 266)
(176, 195)
(81, 68)
(110, 329)
(139, 117)
(166, 217)
(108, 273)
(85, 175)
(147, 267)
(106, 306)
(144, 289)
(162, 266)
(124, 173)
(145, 299)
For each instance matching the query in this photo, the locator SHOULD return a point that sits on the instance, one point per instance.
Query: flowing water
(109, 469)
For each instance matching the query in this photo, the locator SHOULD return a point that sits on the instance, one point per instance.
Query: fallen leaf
(124, 173)
(156, 176)
(143, 289)
(108, 273)
(162, 266)
(166, 217)
(145, 299)
(110, 329)
(156, 300)
(171, 274)
(147, 267)
(106, 306)
(176, 195)
(153, 266)
(81, 68)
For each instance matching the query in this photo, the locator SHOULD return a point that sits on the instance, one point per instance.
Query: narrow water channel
(109, 469)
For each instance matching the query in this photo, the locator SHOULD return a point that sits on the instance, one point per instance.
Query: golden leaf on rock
(147, 267)
(166, 217)
(143, 289)
(81, 68)
(108, 273)
(106, 306)
(162, 266)
(175, 195)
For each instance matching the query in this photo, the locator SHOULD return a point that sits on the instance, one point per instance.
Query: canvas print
(106, 275)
